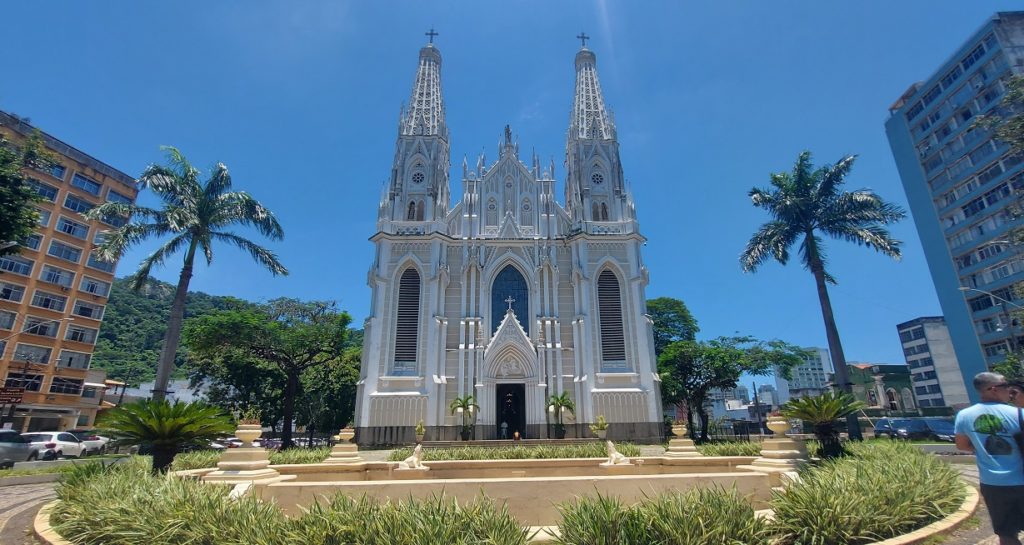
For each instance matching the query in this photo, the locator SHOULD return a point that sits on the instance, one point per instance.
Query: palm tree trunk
(174, 321)
(842, 375)
(291, 389)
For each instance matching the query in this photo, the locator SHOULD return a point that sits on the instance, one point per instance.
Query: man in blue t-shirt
(989, 429)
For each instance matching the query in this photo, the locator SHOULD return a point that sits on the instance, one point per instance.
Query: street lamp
(1002, 303)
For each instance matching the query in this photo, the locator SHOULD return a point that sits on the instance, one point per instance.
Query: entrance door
(510, 410)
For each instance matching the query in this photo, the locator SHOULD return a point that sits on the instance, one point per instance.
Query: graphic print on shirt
(994, 444)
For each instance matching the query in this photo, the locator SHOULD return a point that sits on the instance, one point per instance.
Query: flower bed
(518, 452)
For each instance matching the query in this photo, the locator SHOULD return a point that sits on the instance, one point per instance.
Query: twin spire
(425, 114)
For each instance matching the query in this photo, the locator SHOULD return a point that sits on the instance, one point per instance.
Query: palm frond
(833, 177)
(875, 237)
(157, 258)
(240, 207)
(260, 254)
(219, 182)
(162, 423)
(827, 407)
(117, 241)
(773, 239)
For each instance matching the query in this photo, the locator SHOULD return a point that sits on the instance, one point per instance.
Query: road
(18, 507)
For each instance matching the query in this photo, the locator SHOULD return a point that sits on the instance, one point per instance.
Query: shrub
(300, 455)
(823, 412)
(197, 459)
(882, 490)
(700, 516)
(517, 452)
(730, 448)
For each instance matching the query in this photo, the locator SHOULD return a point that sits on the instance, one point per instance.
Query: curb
(42, 529)
(29, 479)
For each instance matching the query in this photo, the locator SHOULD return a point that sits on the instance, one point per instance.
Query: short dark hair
(986, 379)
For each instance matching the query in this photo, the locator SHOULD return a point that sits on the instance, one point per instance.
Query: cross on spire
(583, 38)
(510, 300)
(431, 34)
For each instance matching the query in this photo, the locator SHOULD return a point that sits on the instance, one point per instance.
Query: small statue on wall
(614, 456)
(415, 461)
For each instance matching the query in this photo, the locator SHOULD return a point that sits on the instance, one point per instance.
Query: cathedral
(507, 296)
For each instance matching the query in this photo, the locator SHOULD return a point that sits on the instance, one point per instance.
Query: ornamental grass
(730, 448)
(517, 452)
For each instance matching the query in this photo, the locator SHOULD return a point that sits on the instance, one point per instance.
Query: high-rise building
(768, 395)
(960, 184)
(810, 378)
(507, 296)
(929, 352)
(54, 291)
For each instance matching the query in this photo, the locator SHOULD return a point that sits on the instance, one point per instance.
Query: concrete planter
(248, 433)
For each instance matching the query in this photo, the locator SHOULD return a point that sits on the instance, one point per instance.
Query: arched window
(890, 395)
(492, 212)
(411, 214)
(609, 308)
(510, 283)
(526, 217)
(604, 212)
(595, 212)
(419, 211)
(407, 324)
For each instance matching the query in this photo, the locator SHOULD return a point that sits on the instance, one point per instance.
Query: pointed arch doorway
(510, 409)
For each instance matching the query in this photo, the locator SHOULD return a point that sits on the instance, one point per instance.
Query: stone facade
(507, 296)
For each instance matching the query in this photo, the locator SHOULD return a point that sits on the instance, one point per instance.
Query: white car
(61, 442)
(94, 444)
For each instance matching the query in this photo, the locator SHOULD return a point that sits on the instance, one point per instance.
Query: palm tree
(466, 406)
(195, 215)
(165, 427)
(822, 412)
(805, 204)
(557, 404)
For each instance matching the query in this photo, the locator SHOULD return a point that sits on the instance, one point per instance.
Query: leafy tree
(328, 399)
(195, 215)
(17, 199)
(804, 205)
(290, 334)
(234, 381)
(672, 322)
(165, 427)
(689, 370)
(1008, 120)
(823, 411)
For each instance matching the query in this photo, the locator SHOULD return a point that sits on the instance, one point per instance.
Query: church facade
(507, 296)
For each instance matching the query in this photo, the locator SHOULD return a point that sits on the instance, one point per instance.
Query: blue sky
(301, 100)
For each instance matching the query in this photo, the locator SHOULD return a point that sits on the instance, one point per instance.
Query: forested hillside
(134, 323)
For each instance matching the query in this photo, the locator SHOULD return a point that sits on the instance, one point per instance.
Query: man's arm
(964, 443)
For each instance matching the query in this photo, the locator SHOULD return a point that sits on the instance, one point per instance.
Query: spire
(425, 114)
(590, 117)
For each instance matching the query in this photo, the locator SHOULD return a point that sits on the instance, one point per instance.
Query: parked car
(936, 429)
(15, 448)
(94, 444)
(61, 442)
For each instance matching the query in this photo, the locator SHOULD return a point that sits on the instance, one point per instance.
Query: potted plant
(679, 427)
(421, 430)
(249, 426)
(466, 407)
(557, 405)
(778, 423)
(600, 428)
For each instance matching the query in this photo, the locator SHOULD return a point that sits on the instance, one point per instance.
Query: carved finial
(508, 135)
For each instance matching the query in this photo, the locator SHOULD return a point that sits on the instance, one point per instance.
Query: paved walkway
(18, 507)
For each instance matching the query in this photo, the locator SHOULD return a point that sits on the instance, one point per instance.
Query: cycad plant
(165, 427)
(466, 406)
(195, 214)
(806, 204)
(823, 411)
(557, 404)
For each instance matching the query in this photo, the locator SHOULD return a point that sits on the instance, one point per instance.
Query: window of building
(951, 76)
(914, 111)
(7, 319)
(32, 353)
(50, 301)
(33, 241)
(931, 95)
(31, 383)
(990, 173)
(973, 57)
(53, 275)
(81, 334)
(86, 184)
(71, 202)
(45, 191)
(597, 178)
(44, 217)
(11, 292)
(61, 385)
(114, 221)
(95, 287)
(973, 207)
(510, 283)
(16, 264)
(104, 266)
(418, 177)
(73, 228)
(407, 323)
(73, 360)
(114, 196)
(921, 390)
(57, 171)
(87, 310)
(44, 327)
(933, 163)
(609, 308)
(63, 251)
(981, 152)
(492, 212)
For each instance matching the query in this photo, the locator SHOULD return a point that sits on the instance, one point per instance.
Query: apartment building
(961, 186)
(934, 369)
(54, 291)
(810, 378)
